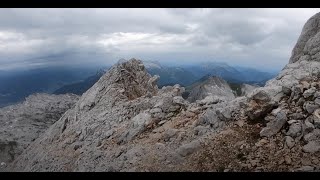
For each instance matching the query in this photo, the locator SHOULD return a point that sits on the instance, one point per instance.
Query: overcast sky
(261, 38)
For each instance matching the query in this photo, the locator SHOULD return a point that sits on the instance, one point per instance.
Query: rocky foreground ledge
(22, 123)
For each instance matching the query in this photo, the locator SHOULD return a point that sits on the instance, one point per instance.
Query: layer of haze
(258, 38)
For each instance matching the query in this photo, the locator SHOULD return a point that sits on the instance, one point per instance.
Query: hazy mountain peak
(152, 64)
(208, 86)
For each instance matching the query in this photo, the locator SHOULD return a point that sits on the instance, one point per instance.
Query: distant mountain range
(16, 86)
(170, 75)
(230, 73)
(184, 75)
(82, 86)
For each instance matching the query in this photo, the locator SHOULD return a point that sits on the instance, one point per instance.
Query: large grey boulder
(274, 126)
(139, 124)
(311, 147)
(289, 142)
(211, 99)
(246, 89)
(309, 92)
(262, 101)
(305, 169)
(312, 136)
(310, 107)
(316, 118)
(295, 130)
(189, 148)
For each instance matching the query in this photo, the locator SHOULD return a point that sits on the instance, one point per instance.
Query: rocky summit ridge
(125, 123)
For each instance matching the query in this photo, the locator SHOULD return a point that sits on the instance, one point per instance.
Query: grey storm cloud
(251, 37)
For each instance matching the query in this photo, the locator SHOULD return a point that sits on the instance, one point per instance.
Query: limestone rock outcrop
(246, 89)
(307, 47)
(23, 123)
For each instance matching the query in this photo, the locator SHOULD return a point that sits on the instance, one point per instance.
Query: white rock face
(308, 37)
(247, 89)
(292, 73)
(21, 124)
(213, 86)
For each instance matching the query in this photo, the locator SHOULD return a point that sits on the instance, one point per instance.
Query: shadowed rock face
(21, 124)
(125, 123)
